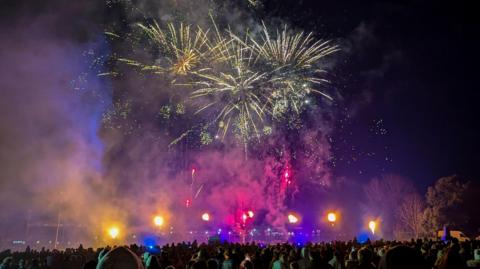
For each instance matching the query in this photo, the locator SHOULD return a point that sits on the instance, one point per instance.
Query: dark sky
(407, 73)
(411, 70)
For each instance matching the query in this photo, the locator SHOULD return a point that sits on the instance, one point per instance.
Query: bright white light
(292, 218)
(205, 217)
(158, 221)
(113, 232)
(331, 217)
(372, 225)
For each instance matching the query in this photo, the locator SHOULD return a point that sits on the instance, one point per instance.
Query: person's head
(282, 257)
(275, 256)
(294, 265)
(352, 256)
(451, 259)
(440, 254)
(316, 255)
(145, 256)
(152, 262)
(227, 254)
(120, 258)
(190, 264)
(201, 254)
(90, 265)
(400, 257)
(103, 252)
(247, 264)
(7, 261)
(476, 254)
(364, 255)
(381, 252)
(212, 264)
(306, 252)
(200, 265)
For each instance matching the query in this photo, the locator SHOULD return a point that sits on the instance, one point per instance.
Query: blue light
(363, 237)
(150, 242)
(298, 239)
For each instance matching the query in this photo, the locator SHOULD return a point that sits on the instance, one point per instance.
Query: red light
(193, 171)
(187, 203)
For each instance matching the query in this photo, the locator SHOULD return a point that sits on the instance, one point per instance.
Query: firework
(181, 48)
(246, 83)
(238, 96)
(234, 92)
(293, 62)
(264, 78)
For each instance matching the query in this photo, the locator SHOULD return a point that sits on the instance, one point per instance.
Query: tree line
(405, 213)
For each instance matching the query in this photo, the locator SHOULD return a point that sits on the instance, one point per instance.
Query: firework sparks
(293, 60)
(265, 78)
(235, 92)
(240, 84)
(182, 48)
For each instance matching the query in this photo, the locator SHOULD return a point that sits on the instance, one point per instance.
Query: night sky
(406, 73)
(410, 80)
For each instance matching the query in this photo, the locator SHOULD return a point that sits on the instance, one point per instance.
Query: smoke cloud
(61, 163)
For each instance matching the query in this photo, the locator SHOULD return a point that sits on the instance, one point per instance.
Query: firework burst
(181, 48)
(293, 62)
(234, 92)
(244, 83)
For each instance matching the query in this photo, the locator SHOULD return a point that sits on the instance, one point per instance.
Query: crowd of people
(328, 255)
